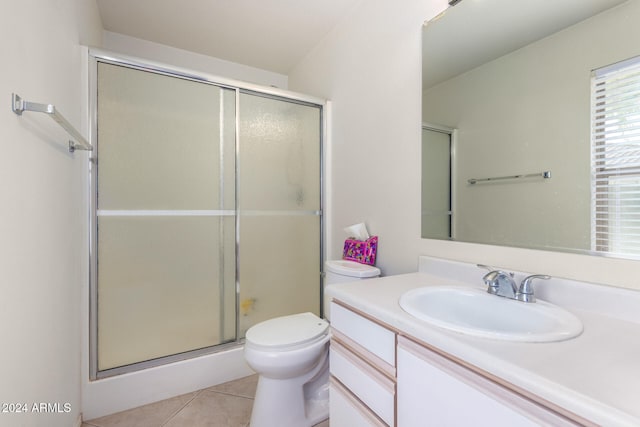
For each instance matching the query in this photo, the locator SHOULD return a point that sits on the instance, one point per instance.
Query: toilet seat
(287, 332)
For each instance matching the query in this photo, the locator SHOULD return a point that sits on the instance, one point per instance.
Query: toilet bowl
(290, 354)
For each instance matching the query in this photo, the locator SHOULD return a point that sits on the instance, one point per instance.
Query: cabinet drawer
(347, 410)
(374, 338)
(373, 388)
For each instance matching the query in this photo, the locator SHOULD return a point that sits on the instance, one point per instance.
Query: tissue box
(362, 251)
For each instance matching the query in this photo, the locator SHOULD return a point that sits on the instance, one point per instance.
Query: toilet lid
(351, 268)
(287, 331)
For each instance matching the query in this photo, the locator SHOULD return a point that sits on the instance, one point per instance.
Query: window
(615, 158)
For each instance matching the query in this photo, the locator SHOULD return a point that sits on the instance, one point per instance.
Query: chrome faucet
(503, 284)
(500, 283)
(525, 293)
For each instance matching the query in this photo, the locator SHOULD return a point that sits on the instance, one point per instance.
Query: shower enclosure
(206, 214)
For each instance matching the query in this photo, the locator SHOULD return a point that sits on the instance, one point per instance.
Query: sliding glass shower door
(279, 207)
(207, 215)
(165, 216)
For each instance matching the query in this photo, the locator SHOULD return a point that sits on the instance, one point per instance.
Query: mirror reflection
(511, 98)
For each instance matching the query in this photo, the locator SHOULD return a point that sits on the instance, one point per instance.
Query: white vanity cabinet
(363, 367)
(381, 356)
(436, 391)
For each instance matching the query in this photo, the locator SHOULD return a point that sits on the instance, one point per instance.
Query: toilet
(290, 354)
(343, 271)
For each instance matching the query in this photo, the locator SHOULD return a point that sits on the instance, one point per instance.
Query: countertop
(595, 375)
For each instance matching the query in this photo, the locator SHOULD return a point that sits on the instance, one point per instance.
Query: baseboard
(126, 391)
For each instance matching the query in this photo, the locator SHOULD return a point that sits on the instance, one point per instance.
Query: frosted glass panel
(279, 267)
(279, 154)
(166, 224)
(160, 285)
(278, 197)
(156, 126)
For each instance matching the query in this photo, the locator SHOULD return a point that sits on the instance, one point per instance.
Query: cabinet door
(435, 391)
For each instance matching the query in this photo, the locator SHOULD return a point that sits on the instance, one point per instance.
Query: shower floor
(224, 405)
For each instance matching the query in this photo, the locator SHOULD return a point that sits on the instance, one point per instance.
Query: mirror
(508, 84)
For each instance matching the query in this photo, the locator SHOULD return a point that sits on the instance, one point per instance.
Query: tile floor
(224, 405)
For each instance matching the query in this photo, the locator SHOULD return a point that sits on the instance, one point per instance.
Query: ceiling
(477, 31)
(273, 35)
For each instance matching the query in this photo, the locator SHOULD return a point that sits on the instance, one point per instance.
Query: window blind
(615, 158)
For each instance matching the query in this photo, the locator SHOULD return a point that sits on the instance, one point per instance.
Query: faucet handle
(525, 293)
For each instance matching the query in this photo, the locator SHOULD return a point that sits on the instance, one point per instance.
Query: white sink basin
(473, 311)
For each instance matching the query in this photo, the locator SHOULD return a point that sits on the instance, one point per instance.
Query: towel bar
(19, 105)
(544, 175)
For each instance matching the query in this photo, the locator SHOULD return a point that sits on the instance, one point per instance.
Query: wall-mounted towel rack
(18, 105)
(544, 175)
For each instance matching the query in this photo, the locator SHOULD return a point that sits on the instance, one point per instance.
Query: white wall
(369, 67)
(144, 49)
(43, 250)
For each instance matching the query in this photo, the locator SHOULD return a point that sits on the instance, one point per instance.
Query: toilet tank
(342, 271)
